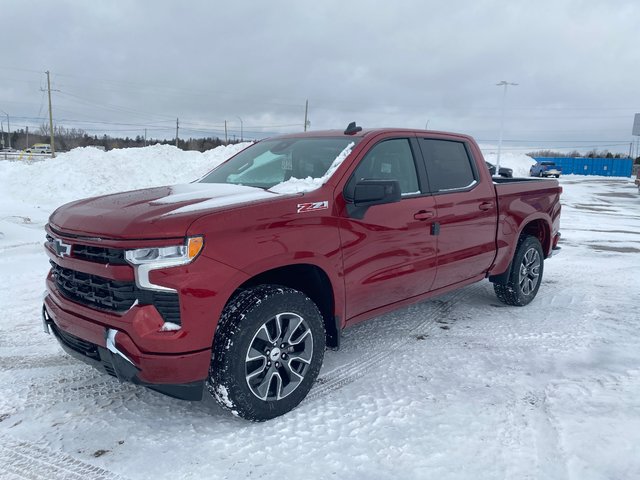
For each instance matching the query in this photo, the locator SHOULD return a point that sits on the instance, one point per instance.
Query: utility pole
(306, 115)
(2, 134)
(241, 132)
(504, 84)
(145, 137)
(177, 127)
(53, 147)
(8, 128)
(27, 145)
(226, 142)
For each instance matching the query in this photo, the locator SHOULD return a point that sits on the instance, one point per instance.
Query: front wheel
(267, 353)
(525, 276)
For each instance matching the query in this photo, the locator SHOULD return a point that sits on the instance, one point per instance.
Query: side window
(448, 165)
(388, 160)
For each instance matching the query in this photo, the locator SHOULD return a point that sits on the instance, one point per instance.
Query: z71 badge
(313, 206)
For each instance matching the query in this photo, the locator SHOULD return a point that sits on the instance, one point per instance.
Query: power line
(117, 108)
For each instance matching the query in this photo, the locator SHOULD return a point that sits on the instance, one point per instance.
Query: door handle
(424, 215)
(486, 206)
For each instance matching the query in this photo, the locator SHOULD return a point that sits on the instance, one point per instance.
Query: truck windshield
(271, 162)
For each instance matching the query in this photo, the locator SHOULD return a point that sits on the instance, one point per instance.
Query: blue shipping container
(606, 167)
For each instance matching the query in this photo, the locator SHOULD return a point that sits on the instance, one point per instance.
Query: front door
(389, 254)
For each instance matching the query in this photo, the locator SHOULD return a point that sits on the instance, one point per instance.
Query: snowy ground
(460, 387)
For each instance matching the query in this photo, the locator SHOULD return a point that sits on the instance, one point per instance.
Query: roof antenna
(352, 129)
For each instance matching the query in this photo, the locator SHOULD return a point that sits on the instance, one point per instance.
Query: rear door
(467, 210)
(388, 250)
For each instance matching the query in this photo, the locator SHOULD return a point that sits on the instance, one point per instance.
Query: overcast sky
(122, 66)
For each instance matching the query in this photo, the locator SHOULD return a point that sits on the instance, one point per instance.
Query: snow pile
(87, 172)
(35, 189)
(518, 162)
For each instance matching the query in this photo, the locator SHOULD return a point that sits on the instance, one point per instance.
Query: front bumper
(113, 352)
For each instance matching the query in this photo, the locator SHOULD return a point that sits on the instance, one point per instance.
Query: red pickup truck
(235, 284)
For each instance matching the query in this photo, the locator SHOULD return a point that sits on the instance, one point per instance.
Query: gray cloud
(394, 64)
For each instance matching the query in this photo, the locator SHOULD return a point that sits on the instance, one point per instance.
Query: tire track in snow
(30, 362)
(22, 459)
(89, 385)
(552, 459)
(355, 369)
(36, 389)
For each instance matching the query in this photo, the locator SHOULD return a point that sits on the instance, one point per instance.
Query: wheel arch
(311, 280)
(539, 228)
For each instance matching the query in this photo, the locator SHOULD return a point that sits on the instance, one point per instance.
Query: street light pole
(504, 84)
(8, 127)
(241, 131)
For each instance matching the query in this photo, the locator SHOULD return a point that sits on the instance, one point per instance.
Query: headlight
(146, 259)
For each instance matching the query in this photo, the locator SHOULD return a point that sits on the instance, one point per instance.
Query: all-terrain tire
(525, 276)
(268, 350)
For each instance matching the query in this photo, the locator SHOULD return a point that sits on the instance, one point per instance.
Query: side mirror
(376, 192)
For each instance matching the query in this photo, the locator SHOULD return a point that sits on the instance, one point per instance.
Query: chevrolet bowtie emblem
(62, 249)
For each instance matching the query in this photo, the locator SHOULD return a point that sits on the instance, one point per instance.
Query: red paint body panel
(155, 368)
(397, 253)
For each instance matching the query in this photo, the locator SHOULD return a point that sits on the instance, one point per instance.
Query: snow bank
(87, 172)
(30, 191)
(519, 162)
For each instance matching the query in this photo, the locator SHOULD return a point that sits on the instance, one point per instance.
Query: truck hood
(160, 212)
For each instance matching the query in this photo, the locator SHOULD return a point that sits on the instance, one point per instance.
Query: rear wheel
(525, 276)
(267, 353)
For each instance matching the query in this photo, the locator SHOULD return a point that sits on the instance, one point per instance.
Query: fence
(19, 155)
(607, 167)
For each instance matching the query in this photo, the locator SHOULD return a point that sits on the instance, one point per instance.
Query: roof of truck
(368, 132)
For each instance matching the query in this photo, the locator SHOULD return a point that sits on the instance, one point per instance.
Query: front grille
(81, 346)
(112, 295)
(93, 290)
(105, 255)
(113, 256)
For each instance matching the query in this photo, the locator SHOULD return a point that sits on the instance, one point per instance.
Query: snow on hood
(301, 185)
(146, 212)
(206, 196)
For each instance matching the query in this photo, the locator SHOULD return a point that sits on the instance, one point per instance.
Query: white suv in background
(39, 148)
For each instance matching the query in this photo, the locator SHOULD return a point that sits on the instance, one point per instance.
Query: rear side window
(449, 166)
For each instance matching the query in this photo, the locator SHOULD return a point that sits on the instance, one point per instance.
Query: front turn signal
(194, 246)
